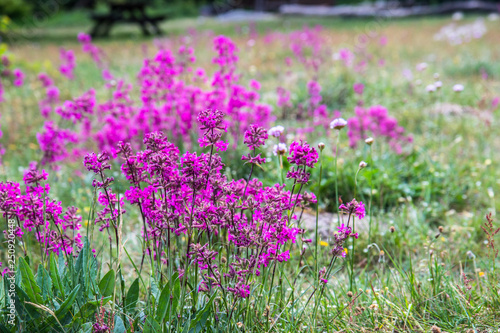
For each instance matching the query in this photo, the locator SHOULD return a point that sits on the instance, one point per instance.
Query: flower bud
(369, 141)
(321, 146)
(362, 165)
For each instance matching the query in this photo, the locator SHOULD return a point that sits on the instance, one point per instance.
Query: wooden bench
(127, 12)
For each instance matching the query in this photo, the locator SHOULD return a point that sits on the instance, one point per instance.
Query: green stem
(337, 179)
(370, 200)
(317, 218)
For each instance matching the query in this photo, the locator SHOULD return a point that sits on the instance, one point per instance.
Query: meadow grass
(426, 265)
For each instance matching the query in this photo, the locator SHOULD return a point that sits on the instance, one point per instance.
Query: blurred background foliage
(22, 11)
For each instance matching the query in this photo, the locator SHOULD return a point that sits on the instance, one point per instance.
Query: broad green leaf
(202, 316)
(163, 303)
(60, 313)
(68, 302)
(45, 282)
(151, 326)
(101, 301)
(132, 296)
(155, 291)
(56, 278)
(29, 283)
(61, 265)
(26, 311)
(88, 310)
(176, 292)
(86, 328)
(107, 284)
(169, 296)
(119, 326)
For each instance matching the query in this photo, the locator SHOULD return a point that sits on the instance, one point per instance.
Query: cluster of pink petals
(35, 212)
(180, 194)
(376, 122)
(170, 97)
(68, 63)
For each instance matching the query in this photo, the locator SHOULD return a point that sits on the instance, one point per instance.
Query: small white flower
(369, 141)
(421, 67)
(458, 87)
(457, 16)
(493, 17)
(276, 131)
(430, 88)
(407, 74)
(279, 149)
(362, 164)
(338, 123)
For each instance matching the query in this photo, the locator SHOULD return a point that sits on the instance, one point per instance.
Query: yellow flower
(323, 243)
(345, 250)
(481, 274)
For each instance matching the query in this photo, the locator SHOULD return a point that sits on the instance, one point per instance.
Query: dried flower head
(369, 141)
(435, 329)
(279, 149)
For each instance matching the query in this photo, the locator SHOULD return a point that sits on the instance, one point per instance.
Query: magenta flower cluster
(57, 230)
(14, 76)
(170, 100)
(188, 195)
(376, 122)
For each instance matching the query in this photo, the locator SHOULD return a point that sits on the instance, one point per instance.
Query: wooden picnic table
(126, 12)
